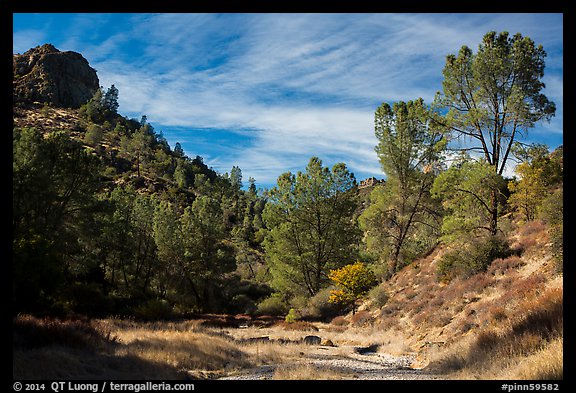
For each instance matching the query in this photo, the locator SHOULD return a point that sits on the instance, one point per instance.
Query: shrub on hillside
(501, 265)
(472, 258)
(498, 313)
(292, 316)
(378, 296)
(557, 237)
(531, 236)
(242, 304)
(320, 308)
(339, 321)
(361, 318)
(551, 212)
(94, 135)
(476, 284)
(522, 288)
(273, 305)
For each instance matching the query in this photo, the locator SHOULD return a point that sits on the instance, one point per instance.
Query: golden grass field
(505, 323)
(126, 349)
(188, 350)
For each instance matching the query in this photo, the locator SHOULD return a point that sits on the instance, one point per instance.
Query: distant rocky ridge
(370, 182)
(46, 75)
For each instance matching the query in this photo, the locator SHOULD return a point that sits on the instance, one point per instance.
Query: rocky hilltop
(46, 75)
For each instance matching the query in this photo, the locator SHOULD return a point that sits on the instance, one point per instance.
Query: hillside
(506, 322)
(100, 198)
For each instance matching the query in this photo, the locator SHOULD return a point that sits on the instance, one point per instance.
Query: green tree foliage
(53, 180)
(181, 174)
(236, 177)
(193, 249)
(472, 257)
(248, 207)
(207, 253)
(401, 214)
(466, 190)
(353, 282)
(102, 106)
(494, 97)
(538, 173)
(292, 316)
(110, 101)
(539, 192)
(127, 226)
(93, 135)
(138, 146)
(169, 246)
(310, 224)
(128, 249)
(178, 151)
(552, 211)
(93, 110)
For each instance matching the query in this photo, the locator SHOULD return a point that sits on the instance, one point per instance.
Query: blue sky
(266, 92)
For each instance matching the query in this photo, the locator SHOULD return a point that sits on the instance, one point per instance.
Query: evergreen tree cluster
(117, 222)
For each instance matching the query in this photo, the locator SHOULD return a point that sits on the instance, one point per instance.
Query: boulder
(327, 343)
(312, 340)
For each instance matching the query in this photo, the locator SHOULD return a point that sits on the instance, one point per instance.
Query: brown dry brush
(540, 324)
(50, 348)
(80, 333)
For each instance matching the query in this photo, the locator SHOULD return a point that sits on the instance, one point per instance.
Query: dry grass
(52, 349)
(31, 332)
(302, 326)
(520, 343)
(164, 350)
(186, 351)
(62, 363)
(530, 238)
(546, 364)
(307, 371)
(475, 327)
(339, 332)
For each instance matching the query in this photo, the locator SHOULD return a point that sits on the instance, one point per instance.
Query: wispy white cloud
(288, 86)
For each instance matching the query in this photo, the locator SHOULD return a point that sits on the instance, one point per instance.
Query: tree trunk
(195, 292)
(393, 263)
(494, 212)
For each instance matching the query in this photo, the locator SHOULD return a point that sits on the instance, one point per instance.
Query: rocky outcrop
(46, 75)
(370, 182)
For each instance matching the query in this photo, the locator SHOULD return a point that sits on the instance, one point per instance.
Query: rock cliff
(46, 75)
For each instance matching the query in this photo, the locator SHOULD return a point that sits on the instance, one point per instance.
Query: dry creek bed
(345, 363)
